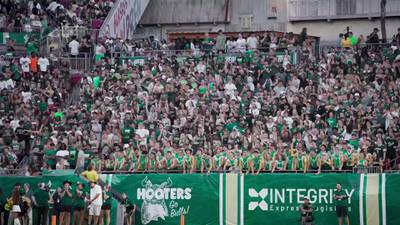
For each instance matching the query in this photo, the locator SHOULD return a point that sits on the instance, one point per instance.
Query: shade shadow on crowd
(230, 104)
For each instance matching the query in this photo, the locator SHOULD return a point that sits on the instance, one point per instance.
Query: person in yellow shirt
(91, 174)
(346, 42)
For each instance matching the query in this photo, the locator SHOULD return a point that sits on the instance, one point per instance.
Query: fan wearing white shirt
(252, 42)
(24, 62)
(74, 46)
(142, 133)
(241, 43)
(95, 202)
(43, 63)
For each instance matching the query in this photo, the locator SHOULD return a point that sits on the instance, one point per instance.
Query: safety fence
(235, 199)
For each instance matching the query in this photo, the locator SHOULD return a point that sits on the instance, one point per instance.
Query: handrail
(220, 171)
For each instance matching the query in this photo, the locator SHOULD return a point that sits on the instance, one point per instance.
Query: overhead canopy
(188, 11)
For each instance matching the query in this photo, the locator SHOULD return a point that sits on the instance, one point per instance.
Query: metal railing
(368, 169)
(325, 47)
(218, 171)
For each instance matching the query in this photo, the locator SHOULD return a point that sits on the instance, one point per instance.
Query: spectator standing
(27, 204)
(397, 37)
(129, 209)
(220, 42)
(91, 174)
(25, 62)
(43, 64)
(74, 47)
(303, 35)
(241, 43)
(16, 201)
(67, 199)
(40, 201)
(252, 42)
(373, 38)
(94, 203)
(106, 207)
(79, 204)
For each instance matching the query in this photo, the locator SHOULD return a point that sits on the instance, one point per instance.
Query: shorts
(78, 208)
(65, 208)
(94, 210)
(341, 211)
(106, 207)
(16, 209)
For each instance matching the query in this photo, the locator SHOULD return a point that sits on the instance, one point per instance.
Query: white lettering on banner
(278, 197)
(312, 194)
(300, 196)
(154, 196)
(164, 193)
(323, 196)
(290, 190)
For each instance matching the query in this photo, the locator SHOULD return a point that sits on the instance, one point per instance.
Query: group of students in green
(65, 205)
(296, 157)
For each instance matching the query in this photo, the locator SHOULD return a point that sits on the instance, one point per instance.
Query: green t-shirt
(80, 200)
(343, 201)
(355, 143)
(41, 197)
(51, 154)
(109, 199)
(332, 122)
(66, 200)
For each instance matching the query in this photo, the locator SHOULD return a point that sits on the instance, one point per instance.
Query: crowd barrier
(235, 199)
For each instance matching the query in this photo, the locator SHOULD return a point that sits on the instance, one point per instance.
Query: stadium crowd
(253, 112)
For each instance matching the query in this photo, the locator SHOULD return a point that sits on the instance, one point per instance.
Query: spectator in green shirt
(66, 195)
(130, 209)
(341, 197)
(40, 201)
(220, 42)
(106, 207)
(79, 204)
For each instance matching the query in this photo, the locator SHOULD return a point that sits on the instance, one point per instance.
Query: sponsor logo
(289, 199)
(161, 200)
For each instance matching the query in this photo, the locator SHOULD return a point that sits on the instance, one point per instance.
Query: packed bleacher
(332, 110)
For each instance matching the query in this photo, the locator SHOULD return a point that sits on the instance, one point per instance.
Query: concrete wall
(329, 31)
(261, 11)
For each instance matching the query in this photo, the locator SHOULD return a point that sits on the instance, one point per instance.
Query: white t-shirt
(241, 44)
(74, 46)
(142, 133)
(252, 42)
(26, 96)
(95, 191)
(25, 61)
(80, 161)
(230, 88)
(62, 153)
(43, 64)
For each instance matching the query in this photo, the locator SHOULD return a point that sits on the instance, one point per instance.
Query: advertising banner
(123, 18)
(163, 198)
(267, 199)
(235, 199)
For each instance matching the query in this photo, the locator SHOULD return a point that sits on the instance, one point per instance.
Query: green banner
(53, 180)
(232, 199)
(279, 196)
(162, 199)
